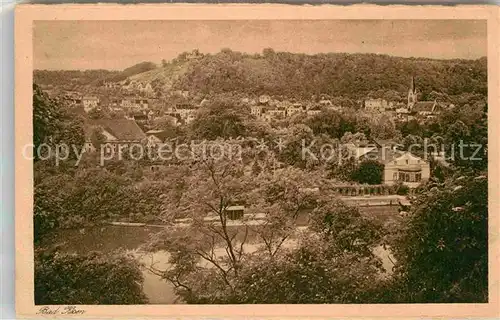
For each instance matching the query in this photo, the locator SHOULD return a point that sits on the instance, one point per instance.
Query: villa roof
(392, 155)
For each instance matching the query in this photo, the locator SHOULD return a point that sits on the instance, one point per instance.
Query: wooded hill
(295, 75)
(88, 77)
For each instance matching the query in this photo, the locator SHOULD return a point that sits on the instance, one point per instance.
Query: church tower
(412, 94)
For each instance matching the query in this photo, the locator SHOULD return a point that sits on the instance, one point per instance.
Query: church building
(423, 110)
(412, 94)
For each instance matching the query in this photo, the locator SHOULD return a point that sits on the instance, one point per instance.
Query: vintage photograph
(259, 162)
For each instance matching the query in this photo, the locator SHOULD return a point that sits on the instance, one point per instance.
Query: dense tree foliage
(136, 69)
(443, 250)
(53, 124)
(221, 119)
(310, 274)
(92, 278)
(369, 171)
(336, 74)
(89, 196)
(332, 123)
(215, 263)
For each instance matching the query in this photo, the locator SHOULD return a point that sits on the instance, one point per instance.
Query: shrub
(93, 278)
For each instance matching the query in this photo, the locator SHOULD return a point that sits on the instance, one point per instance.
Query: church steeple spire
(412, 94)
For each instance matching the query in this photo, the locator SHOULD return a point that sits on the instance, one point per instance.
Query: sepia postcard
(257, 161)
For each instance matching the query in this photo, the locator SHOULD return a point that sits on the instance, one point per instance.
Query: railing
(363, 190)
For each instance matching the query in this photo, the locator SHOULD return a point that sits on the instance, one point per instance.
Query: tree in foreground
(332, 264)
(92, 278)
(54, 124)
(443, 251)
(271, 262)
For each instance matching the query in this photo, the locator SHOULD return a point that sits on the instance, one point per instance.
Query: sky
(116, 45)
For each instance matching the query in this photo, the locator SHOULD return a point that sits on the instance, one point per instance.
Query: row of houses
(92, 102)
(267, 110)
(137, 107)
(145, 88)
(184, 112)
(142, 87)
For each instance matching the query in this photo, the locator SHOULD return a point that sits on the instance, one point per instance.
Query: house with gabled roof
(90, 102)
(256, 110)
(426, 109)
(116, 132)
(360, 152)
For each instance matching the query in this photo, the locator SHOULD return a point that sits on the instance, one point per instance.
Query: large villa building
(406, 168)
(399, 166)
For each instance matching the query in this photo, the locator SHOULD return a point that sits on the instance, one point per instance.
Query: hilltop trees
(352, 76)
(88, 77)
(138, 68)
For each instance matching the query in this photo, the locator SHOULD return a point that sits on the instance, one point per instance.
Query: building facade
(407, 169)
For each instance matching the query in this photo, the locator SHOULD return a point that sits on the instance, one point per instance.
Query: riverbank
(132, 238)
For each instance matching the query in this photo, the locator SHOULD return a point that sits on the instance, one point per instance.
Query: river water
(110, 238)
